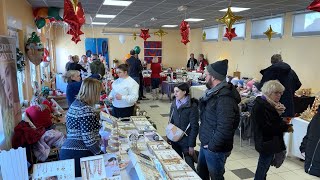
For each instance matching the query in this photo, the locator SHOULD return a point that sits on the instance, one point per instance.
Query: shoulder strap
(171, 116)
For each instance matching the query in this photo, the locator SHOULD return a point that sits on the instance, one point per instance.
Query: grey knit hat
(218, 69)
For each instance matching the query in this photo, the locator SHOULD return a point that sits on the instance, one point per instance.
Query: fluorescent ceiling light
(235, 9)
(169, 26)
(116, 3)
(105, 16)
(193, 20)
(99, 23)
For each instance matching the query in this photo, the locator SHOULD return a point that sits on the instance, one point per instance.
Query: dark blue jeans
(211, 164)
(264, 163)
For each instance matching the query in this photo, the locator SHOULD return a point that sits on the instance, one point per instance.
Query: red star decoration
(314, 6)
(230, 35)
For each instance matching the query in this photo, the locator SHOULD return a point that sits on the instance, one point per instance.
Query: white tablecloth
(293, 140)
(197, 91)
(193, 75)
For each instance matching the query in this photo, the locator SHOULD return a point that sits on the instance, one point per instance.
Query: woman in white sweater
(124, 93)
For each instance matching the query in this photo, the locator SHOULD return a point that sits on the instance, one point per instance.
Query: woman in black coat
(184, 111)
(310, 146)
(268, 126)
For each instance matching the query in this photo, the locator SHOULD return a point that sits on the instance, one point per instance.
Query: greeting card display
(111, 166)
(93, 168)
(138, 118)
(184, 175)
(62, 170)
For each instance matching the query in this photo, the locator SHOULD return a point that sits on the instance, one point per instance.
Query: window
(240, 31)
(212, 33)
(306, 24)
(260, 26)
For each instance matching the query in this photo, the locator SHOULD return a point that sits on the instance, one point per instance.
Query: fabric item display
(49, 139)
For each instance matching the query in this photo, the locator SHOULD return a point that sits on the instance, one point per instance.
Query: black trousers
(141, 86)
(184, 152)
(122, 112)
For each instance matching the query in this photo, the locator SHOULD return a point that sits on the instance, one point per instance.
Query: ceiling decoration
(165, 12)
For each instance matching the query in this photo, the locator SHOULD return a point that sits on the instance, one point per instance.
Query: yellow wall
(21, 11)
(173, 50)
(252, 55)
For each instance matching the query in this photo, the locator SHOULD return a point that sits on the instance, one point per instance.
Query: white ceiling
(165, 11)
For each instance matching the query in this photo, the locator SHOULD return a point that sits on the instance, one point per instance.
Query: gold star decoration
(269, 33)
(160, 33)
(204, 35)
(229, 19)
(134, 36)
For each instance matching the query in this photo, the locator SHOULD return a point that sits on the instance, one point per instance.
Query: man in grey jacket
(219, 115)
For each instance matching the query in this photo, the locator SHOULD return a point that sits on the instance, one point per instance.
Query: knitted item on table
(82, 128)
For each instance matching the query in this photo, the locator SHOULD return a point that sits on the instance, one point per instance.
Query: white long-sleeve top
(128, 88)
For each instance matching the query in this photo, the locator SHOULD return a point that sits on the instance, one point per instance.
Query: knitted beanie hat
(218, 69)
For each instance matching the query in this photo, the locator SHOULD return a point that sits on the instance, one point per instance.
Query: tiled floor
(242, 161)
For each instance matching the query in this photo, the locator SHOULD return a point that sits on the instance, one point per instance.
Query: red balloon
(184, 31)
(80, 14)
(144, 34)
(314, 6)
(74, 19)
(230, 35)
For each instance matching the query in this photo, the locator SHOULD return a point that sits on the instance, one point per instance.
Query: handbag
(174, 133)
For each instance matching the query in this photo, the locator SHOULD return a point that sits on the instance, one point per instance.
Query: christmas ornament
(184, 31)
(134, 36)
(144, 34)
(204, 35)
(269, 33)
(230, 34)
(160, 33)
(229, 19)
(314, 6)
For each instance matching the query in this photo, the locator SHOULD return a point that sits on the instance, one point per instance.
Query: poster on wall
(9, 96)
(97, 46)
(152, 49)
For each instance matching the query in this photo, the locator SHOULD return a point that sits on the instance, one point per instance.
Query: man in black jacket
(281, 71)
(310, 146)
(219, 115)
(134, 67)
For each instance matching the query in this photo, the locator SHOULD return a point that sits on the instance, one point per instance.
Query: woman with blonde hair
(73, 78)
(269, 128)
(83, 125)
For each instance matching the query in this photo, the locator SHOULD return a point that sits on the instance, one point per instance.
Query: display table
(293, 140)
(167, 87)
(194, 75)
(197, 91)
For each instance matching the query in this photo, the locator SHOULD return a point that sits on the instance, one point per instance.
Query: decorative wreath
(20, 60)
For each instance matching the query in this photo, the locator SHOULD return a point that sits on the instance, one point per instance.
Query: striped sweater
(82, 128)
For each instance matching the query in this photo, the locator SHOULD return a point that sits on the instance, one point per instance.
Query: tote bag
(174, 133)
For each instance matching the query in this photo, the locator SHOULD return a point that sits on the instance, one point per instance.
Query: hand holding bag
(174, 133)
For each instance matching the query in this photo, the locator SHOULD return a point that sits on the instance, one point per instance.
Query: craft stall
(132, 150)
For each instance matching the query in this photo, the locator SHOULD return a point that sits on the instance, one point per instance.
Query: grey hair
(272, 86)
